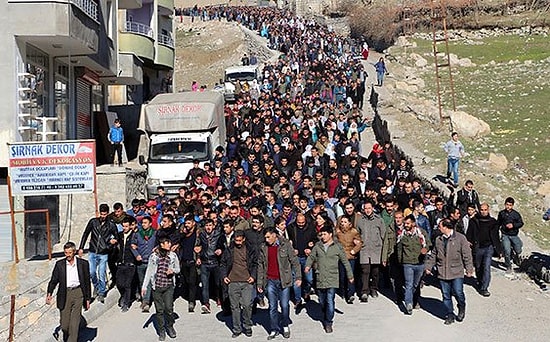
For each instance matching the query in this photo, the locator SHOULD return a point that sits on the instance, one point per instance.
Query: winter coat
(505, 217)
(409, 247)
(326, 264)
(451, 258)
(288, 263)
(346, 239)
(372, 233)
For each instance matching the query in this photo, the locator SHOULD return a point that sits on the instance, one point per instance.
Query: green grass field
(510, 90)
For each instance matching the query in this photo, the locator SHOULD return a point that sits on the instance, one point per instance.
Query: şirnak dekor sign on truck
(52, 168)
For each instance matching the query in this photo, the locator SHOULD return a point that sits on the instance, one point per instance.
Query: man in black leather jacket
(103, 237)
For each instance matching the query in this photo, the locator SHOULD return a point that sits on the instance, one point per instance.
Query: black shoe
(171, 332)
(461, 314)
(350, 300)
(299, 307)
(124, 308)
(450, 319)
(374, 293)
(101, 299)
(248, 333)
(485, 293)
(328, 328)
(191, 307)
(120, 300)
(236, 334)
(162, 336)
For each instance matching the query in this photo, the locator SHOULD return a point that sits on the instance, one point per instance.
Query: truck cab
(233, 74)
(180, 128)
(171, 157)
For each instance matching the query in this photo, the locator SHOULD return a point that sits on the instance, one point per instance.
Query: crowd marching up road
(297, 228)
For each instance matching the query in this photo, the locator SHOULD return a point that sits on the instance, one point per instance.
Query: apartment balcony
(165, 57)
(130, 4)
(137, 38)
(130, 71)
(166, 7)
(71, 24)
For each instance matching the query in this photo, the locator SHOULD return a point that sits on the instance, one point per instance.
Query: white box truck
(179, 128)
(233, 74)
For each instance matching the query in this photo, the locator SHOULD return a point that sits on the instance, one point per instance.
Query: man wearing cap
(153, 213)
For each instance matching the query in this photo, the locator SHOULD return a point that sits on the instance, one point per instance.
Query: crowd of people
(292, 207)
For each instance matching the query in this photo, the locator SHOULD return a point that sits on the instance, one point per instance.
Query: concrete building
(65, 63)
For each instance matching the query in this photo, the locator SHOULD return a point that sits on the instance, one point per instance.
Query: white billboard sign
(52, 168)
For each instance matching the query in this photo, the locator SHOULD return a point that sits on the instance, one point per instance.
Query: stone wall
(114, 184)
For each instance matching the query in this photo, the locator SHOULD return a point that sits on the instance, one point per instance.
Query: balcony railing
(139, 28)
(89, 7)
(165, 39)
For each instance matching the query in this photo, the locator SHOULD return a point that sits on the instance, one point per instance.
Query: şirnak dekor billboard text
(52, 168)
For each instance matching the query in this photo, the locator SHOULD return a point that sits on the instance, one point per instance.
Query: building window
(61, 99)
(37, 66)
(97, 98)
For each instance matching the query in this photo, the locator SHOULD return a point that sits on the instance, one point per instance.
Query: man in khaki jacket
(451, 254)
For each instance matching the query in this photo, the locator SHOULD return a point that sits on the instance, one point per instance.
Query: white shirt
(72, 275)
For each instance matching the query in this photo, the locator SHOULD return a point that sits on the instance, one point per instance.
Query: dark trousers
(209, 271)
(347, 289)
(112, 262)
(240, 297)
(116, 148)
(326, 299)
(188, 276)
(397, 279)
(370, 274)
(483, 257)
(124, 278)
(70, 315)
(163, 297)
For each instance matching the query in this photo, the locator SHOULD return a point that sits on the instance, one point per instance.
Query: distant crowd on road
(292, 208)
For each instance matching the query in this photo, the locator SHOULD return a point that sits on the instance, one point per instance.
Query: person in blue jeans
(452, 255)
(303, 237)
(381, 70)
(210, 240)
(455, 151)
(326, 254)
(102, 232)
(483, 235)
(510, 222)
(276, 265)
(412, 246)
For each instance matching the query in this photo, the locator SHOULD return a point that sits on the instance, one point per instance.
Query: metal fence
(165, 39)
(139, 28)
(89, 7)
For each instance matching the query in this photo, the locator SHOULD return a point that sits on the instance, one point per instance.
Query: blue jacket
(116, 135)
(144, 247)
